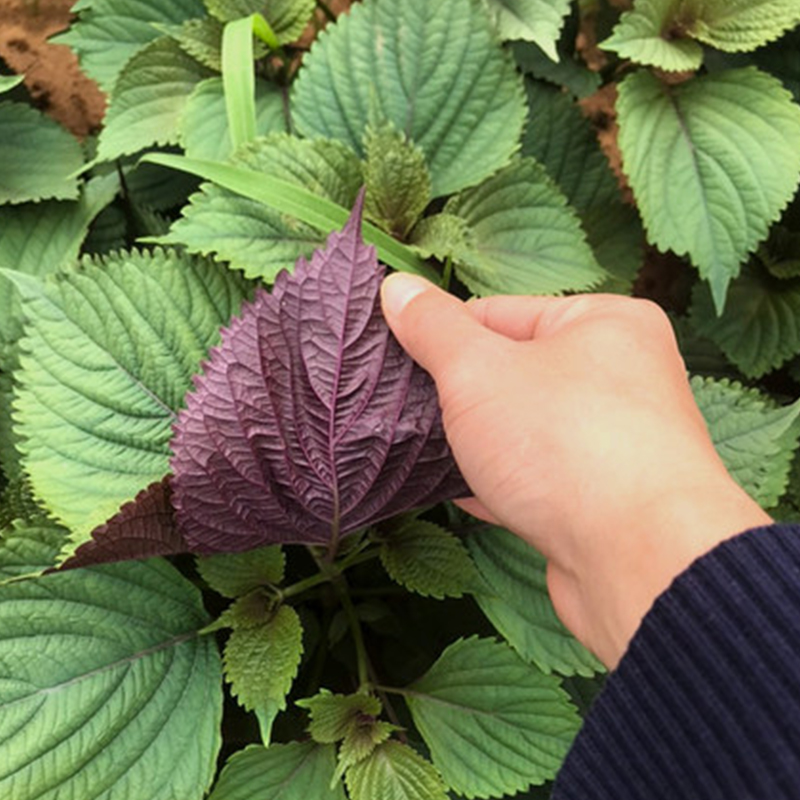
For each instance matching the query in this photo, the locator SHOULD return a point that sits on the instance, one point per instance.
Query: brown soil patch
(51, 71)
(601, 109)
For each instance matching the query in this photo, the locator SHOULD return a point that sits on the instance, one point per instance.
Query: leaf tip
(355, 221)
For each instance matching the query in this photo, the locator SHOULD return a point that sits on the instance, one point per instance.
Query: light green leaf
(200, 38)
(37, 158)
(760, 328)
(204, 128)
(253, 237)
(103, 675)
(266, 713)
(334, 715)
(742, 25)
(107, 358)
(429, 560)
(236, 574)
(653, 33)
(394, 772)
(525, 238)
(517, 603)
(296, 771)
(537, 21)
(494, 724)
(286, 18)
(261, 661)
(397, 179)
(712, 163)
(9, 82)
(434, 70)
(149, 99)
(322, 166)
(109, 32)
(37, 239)
(755, 438)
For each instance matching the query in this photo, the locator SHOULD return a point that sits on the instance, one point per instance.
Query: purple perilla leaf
(310, 420)
(143, 528)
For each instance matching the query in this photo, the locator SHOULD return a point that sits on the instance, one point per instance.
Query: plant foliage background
(229, 566)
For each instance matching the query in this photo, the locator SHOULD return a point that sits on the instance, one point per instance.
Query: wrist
(617, 589)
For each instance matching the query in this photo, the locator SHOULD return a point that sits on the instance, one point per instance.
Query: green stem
(388, 707)
(304, 585)
(328, 574)
(394, 690)
(448, 273)
(321, 657)
(357, 557)
(355, 629)
(381, 591)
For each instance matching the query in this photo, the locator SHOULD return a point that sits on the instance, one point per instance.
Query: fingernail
(399, 289)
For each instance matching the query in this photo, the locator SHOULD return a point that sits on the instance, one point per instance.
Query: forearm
(616, 582)
(705, 703)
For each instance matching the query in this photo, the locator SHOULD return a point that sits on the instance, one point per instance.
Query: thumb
(433, 327)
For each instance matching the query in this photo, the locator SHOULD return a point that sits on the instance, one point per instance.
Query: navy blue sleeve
(705, 704)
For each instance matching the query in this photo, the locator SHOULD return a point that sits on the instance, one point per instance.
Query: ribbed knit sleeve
(705, 704)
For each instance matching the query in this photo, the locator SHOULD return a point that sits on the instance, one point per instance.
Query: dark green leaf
(494, 724)
(517, 603)
(107, 689)
(435, 71)
(759, 329)
(398, 182)
(38, 157)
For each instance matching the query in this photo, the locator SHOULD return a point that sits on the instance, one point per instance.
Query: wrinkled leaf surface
(310, 421)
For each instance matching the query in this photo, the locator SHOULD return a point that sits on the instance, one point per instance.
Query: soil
(51, 71)
(52, 74)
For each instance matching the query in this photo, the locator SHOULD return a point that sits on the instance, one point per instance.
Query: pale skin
(574, 424)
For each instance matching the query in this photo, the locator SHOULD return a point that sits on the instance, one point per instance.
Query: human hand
(573, 422)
